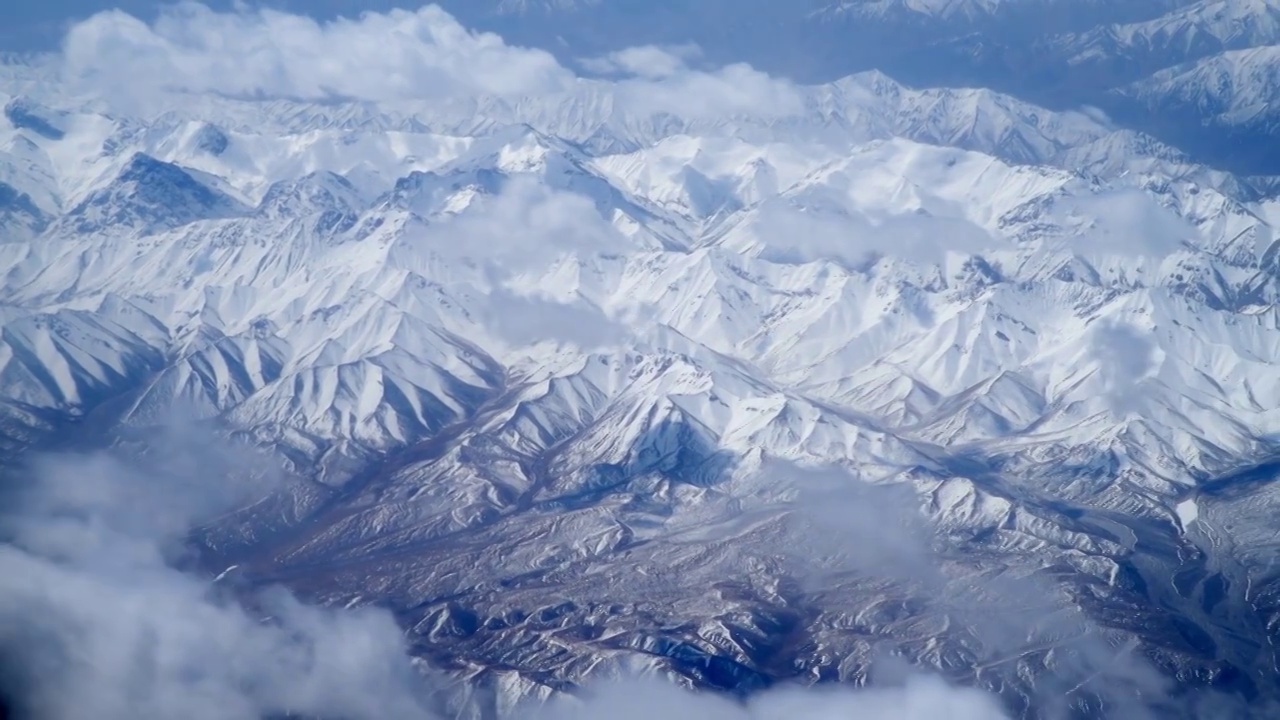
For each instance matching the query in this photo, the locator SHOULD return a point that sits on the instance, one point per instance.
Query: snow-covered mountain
(1188, 33)
(531, 359)
(1233, 88)
(1056, 53)
(1018, 16)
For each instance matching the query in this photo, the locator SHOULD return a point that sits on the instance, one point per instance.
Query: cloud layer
(97, 622)
(398, 55)
(789, 234)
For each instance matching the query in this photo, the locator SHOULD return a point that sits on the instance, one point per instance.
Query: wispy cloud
(843, 525)
(516, 238)
(528, 319)
(1126, 356)
(792, 234)
(732, 90)
(525, 226)
(1121, 222)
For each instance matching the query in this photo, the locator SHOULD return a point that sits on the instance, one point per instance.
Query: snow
(1235, 86)
(1188, 511)
(576, 323)
(885, 270)
(599, 315)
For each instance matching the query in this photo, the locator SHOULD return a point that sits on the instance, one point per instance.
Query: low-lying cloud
(101, 617)
(919, 698)
(842, 525)
(1126, 357)
(522, 320)
(1122, 221)
(524, 227)
(96, 621)
(792, 234)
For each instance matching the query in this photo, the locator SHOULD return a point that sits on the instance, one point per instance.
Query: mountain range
(550, 370)
(1192, 73)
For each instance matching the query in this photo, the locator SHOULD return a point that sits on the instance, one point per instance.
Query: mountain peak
(211, 139)
(26, 114)
(327, 198)
(148, 196)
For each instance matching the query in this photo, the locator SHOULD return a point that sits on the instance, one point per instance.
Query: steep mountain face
(532, 361)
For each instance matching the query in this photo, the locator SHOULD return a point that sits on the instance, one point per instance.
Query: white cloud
(733, 89)
(874, 529)
(919, 698)
(646, 61)
(841, 525)
(530, 243)
(658, 80)
(1126, 356)
(791, 234)
(525, 227)
(1097, 115)
(398, 55)
(523, 320)
(1121, 221)
(145, 642)
(103, 626)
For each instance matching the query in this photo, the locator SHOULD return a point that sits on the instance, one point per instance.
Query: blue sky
(39, 24)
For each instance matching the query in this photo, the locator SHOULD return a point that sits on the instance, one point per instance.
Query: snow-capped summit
(148, 196)
(326, 199)
(20, 217)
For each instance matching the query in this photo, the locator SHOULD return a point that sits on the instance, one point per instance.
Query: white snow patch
(1188, 511)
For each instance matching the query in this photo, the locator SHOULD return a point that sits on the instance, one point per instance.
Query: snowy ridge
(1199, 29)
(1233, 88)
